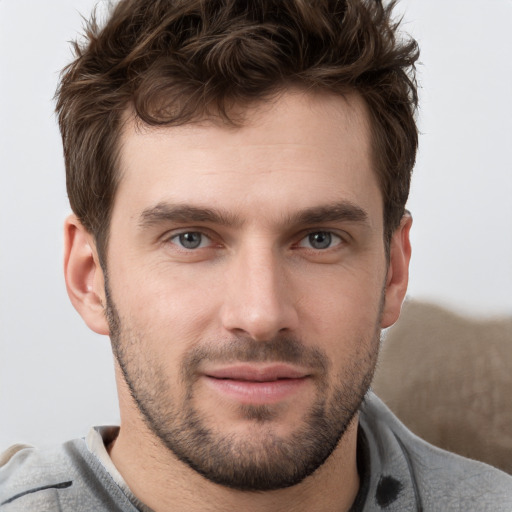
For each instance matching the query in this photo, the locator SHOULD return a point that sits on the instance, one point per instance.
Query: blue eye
(191, 240)
(320, 240)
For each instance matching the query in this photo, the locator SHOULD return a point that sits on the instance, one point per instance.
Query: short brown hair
(176, 61)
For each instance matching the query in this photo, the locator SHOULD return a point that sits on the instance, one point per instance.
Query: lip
(257, 373)
(257, 385)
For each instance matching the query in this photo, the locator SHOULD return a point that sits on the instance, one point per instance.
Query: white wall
(461, 195)
(56, 377)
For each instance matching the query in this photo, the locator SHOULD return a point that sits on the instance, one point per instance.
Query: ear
(84, 276)
(398, 272)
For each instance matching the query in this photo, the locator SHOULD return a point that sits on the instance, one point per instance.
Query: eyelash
(188, 232)
(304, 238)
(330, 235)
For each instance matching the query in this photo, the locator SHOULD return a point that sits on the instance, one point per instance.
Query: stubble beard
(260, 460)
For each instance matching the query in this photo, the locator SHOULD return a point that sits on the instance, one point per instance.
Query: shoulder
(441, 480)
(28, 474)
(64, 478)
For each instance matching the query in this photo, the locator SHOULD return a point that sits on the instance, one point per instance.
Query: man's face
(246, 276)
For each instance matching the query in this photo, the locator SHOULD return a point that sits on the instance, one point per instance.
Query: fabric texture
(448, 379)
(399, 472)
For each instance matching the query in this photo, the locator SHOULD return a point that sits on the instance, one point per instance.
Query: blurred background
(56, 377)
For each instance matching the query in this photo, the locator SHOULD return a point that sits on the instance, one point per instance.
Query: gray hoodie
(399, 472)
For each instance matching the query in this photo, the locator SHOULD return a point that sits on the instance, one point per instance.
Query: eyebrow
(344, 211)
(166, 212)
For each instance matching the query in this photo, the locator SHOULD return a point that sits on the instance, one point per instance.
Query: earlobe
(398, 272)
(84, 276)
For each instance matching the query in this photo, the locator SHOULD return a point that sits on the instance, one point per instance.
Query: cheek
(344, 312)
(342, 291)
(169, 309)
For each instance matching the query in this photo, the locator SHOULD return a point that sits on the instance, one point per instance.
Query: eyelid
(174, 233)
(216, 241)
(342, 235)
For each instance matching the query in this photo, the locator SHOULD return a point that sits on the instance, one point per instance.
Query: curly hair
(178, 61)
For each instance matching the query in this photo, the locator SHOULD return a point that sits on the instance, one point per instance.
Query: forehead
(297, 150)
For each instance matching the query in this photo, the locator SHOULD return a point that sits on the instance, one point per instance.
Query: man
(238, 173)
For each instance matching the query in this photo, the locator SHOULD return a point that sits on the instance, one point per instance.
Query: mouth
(257, 385)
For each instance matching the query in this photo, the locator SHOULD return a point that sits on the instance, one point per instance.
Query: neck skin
(162, 482)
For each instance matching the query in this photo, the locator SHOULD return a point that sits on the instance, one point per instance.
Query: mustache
(244, 349)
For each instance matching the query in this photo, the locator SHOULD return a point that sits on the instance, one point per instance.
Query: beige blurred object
(449, 379)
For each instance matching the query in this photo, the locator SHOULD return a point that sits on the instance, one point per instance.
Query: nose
(259, 299)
